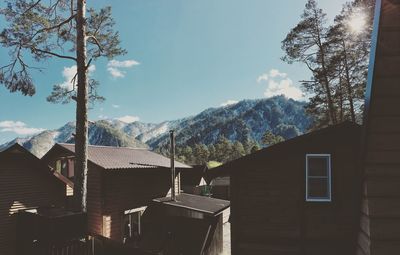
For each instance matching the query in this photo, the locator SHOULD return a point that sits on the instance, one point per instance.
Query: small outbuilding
(188, 224)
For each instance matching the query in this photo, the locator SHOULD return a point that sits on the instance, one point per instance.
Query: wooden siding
(111, 192)
(268, 209)
(380, 221)
(24, 183)
(95, 200)
(129, 189)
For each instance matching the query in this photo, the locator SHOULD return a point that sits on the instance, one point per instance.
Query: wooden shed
(190, 224)
(298, 196)
(121, 184)
(380, 210)
(25, 182)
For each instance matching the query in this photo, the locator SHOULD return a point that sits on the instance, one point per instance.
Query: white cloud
(279, 84)
(69, 72)
(275, 73)
(125, 63)
(229, 102)
(272, 73)
(18, 127)
(116, 73)
(263, 77)
(128, 118)
(115, 106)
(114, 66)
(283, 87)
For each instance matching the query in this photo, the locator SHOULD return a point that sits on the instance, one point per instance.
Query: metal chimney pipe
(172, 138)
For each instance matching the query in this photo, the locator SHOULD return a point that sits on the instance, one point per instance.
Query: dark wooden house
(25, 182)
(380, 210)
(298, 196)
(121, 184)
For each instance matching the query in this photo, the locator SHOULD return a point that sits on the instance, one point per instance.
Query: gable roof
(19, 149)
(334, 130)
(113, 158)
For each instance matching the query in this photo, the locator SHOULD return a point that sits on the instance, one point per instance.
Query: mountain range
(247, 119)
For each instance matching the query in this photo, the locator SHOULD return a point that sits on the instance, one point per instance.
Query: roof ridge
(105, 146)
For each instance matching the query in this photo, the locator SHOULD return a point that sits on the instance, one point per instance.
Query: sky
(184, 56)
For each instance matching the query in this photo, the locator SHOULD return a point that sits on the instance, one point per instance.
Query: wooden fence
(75, 247)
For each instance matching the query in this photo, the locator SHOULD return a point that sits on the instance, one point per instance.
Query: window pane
(64, 167)
(71, 166)
(317, 166)
(58, 166)
(318, 188)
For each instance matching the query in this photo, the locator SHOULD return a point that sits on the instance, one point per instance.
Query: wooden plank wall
(128, 189)
(94, 200)
(268, 208)
(380, 222)
(23, 184)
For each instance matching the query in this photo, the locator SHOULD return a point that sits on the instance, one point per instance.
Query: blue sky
(183, 56)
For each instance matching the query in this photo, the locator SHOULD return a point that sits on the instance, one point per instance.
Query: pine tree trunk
(348, 85)
(81, 139)
(331, 106)
(341, 100)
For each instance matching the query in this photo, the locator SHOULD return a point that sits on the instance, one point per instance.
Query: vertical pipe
(173, 197)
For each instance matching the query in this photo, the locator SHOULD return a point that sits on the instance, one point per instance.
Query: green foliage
(286, 131)
(269, 138)
(337, 59)
(223, 150)
(255, 148)
(201, 154)
(47, 29)
(198, 142)
(237, 150)
(213, 155)
(212, 164)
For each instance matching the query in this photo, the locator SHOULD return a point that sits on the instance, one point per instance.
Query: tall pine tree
(307, 43)
(44, 29)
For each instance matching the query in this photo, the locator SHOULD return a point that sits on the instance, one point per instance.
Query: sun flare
(357, 21)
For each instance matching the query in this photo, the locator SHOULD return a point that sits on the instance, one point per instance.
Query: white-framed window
(318, 178)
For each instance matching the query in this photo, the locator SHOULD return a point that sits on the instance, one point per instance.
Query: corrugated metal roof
(109, 157)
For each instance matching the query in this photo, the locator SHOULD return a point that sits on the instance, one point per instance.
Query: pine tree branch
(95, 41)
(52, 53)
(31, 7)
(46, 29)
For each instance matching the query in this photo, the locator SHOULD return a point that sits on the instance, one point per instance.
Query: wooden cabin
(121, 183)
(380, 210)
(25, 183)
(298, 196)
